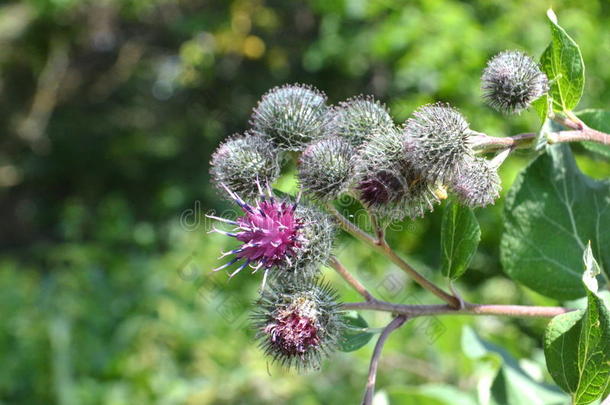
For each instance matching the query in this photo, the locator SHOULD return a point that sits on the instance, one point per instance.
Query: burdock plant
(355, 153)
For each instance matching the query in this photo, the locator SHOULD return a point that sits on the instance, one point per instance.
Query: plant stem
(486, 143)
(585, 134)
(377, 228)
(347, 276)
(578, 132)
(468, 309)
(382, 247)
(573, 123)
(370, 384)
(421, 280)
(351, 228)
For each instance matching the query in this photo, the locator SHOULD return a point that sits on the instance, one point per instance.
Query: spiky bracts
(290, 237)
(359, 118)
(291, 116)
(325, 168)
(298, 325)
(318, 236)
(512, 81)
(436, 139)
(476, 182)
(386, 181)
(243, 160)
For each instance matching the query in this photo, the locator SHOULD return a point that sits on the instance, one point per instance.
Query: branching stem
(350, 279)
(578, 132)
(370, 384)
(585, 134)
(486, 143)
(382, 247)
(413, 311)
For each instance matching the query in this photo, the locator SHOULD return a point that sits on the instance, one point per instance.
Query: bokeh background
(109, 112)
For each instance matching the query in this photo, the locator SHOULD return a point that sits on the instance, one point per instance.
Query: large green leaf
(511, 385)
(460, 236)
(577, 344)
(551, 211)
(355, 335)
(600, 120)
(563, 64)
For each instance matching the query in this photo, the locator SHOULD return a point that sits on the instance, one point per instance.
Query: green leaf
(561, 348)
(541, 105)
(511, 385)
(577, 344)
(593, 352)
(600, 120)
(551, 211)
(460, 236)
(563, 64)
(355, 335)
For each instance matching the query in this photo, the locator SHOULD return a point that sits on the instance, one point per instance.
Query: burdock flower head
(476, 183)
(511, 81)
(386, 181)
(325, 168)
(284, 235)
(358, 118)
(298, 324)
(291, 116)
(242, 161)
(436, 140)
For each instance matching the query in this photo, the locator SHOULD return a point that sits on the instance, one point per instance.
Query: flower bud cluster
(354, 147)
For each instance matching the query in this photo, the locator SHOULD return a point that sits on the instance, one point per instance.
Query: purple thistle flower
(292, 333)
(269, 230)
(379, 188)
(298, 323)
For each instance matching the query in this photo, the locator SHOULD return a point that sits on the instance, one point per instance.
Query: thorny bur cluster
(354, 148)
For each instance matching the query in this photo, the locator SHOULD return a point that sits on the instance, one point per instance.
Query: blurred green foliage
(110, 111)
